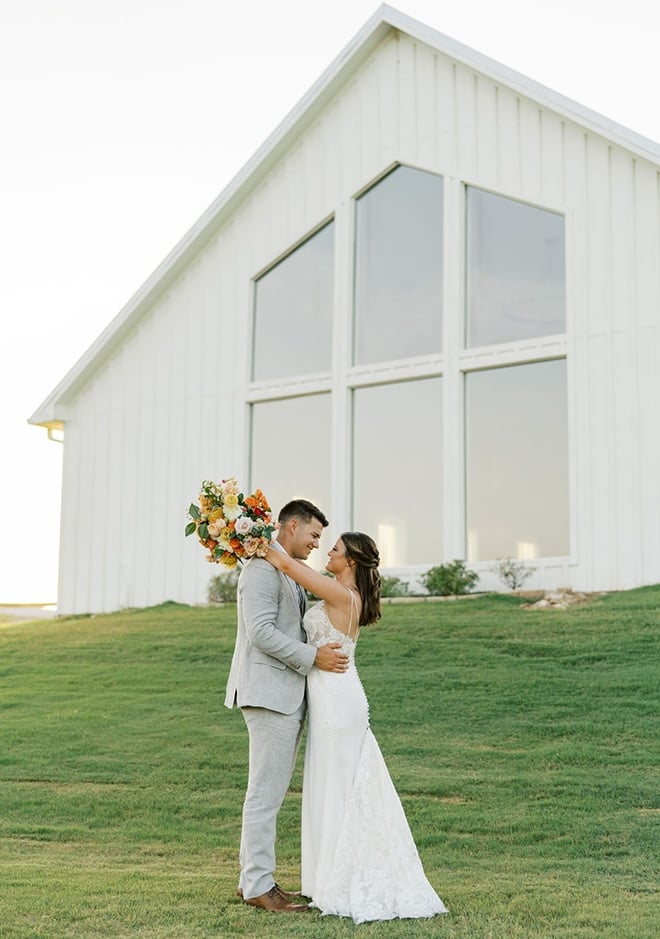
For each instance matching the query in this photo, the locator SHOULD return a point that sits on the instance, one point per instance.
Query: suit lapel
(297, 593)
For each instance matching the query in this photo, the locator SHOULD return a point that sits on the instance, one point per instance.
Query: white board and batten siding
(168, 407)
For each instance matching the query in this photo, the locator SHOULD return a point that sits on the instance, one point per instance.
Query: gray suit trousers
(274, 741)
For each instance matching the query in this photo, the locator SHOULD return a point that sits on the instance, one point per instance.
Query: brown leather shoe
(275, 901)
(290, 897)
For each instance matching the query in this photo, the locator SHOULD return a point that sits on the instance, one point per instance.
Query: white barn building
(430, 303)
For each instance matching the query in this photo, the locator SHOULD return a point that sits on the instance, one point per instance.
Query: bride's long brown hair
(362, 549)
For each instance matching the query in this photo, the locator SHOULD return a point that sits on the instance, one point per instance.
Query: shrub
(451, 579)
(393, 587)
(513, 574)
(222, 588)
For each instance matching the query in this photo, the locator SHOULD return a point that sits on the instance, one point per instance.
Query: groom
(267, 682)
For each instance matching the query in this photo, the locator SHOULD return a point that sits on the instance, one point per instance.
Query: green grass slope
(522, 744)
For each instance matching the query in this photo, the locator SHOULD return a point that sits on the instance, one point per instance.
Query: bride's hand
(275, 557)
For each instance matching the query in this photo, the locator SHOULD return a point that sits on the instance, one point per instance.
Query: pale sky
(122, 122)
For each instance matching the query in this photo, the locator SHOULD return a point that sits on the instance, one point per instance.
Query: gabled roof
(53, 411)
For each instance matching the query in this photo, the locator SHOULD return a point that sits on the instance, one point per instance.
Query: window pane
(517, 462)
(515, 270)
(293, 312)
(287, 463)
(398, 268)
(397, 470)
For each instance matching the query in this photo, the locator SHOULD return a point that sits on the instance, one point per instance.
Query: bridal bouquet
(233, 527)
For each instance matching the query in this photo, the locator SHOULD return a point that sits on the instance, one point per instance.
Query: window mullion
(452, 423)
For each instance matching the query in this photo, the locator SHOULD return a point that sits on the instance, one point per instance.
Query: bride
(358, 854)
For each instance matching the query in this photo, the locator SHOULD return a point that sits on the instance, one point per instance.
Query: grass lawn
(522, 744)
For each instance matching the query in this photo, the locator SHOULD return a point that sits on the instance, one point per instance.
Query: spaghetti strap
(350, 620)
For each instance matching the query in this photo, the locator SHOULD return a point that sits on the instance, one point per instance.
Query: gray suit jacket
(271, 657)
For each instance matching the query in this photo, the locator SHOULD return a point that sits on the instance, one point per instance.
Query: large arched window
(434, 411)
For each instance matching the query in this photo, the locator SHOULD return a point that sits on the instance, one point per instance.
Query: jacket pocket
(270, 663)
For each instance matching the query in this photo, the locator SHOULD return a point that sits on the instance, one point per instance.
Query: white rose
(243, 525)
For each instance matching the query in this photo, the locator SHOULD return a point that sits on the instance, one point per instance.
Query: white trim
(498, 355)
(284, 388)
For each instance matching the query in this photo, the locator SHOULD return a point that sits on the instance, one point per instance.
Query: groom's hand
(329, 658)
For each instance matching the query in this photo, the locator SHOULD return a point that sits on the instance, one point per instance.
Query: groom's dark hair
(303, 510)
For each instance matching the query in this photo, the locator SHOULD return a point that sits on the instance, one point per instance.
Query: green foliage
(393, 587)
(523, 745)
(449, 580)
(512, 573)
(223, 587)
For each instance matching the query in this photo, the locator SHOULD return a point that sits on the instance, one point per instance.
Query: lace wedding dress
(358, 854)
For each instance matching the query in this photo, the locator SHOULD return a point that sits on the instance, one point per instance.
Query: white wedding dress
(358, 854)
